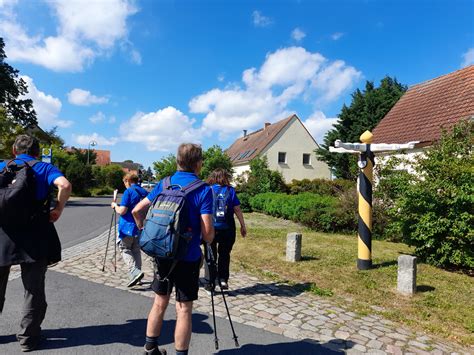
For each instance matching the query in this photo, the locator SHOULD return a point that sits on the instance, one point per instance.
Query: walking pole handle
(115, 195)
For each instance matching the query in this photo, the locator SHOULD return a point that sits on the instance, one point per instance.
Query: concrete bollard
(406, 283)
(293, 246)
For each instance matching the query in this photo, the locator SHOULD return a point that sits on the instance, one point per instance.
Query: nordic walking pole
(115, 233)
(210, 265)
(110, 231)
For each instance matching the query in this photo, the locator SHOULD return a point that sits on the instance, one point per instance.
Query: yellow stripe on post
(363, 252)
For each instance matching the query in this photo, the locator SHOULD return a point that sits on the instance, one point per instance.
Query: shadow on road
(88, 203)
(335, 346)
(132, 332)
(273, 289)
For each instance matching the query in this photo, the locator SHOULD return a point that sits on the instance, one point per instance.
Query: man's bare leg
(182, 333)
(155, 317)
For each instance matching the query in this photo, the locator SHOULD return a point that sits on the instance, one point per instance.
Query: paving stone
(392, 349)
(374, 344)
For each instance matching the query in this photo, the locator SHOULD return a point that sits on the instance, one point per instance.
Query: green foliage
(366, 110)
(12, 88)
(8, 133)
(433, 209)
(215, 158)
(261, 179)
(165, 167)
(320, 186)
(109, 176)
(244, 199)
(80, 176)
(315, 211)
(101, 191)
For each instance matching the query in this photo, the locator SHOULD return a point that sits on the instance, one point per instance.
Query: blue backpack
(166, 232)
(220, 207)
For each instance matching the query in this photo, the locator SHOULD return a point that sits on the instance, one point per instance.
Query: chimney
(266, 125)
(245, 133)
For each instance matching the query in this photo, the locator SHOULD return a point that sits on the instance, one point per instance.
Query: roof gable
(426, 108)
(246, 148)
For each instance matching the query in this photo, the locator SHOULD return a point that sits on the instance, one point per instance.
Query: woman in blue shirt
(225, 230)
(128, 231)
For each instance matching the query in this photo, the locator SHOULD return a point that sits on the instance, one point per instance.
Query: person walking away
(128, 230)
(34, 244)
(226, 203)
(184, 277)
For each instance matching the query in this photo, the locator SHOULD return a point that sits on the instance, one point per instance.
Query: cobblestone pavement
(276, 308)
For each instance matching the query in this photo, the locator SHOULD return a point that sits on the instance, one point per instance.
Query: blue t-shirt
(199, 202)
(45, 174)
(130, 198)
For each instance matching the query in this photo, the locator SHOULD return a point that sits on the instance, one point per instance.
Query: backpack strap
(28, 163)
(166, 182)
(196, 184)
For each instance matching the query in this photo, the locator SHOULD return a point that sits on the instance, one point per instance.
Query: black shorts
(184, 277)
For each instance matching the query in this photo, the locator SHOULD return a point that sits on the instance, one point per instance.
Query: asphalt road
(88, 318)
(83, 219)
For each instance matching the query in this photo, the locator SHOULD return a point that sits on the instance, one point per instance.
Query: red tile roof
(426, 108)
(246, 148)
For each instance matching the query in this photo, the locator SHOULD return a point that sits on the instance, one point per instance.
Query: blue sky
(140, 77)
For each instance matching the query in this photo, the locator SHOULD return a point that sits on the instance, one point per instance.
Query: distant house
(129, 166)
(102, 157)
(288, 146)
(426, 108)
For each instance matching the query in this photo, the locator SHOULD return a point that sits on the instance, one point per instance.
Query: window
(306, 159)
(281, 158)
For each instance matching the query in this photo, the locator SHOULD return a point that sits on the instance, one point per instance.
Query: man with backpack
(128, 231)
(181, 211)
(27, 233)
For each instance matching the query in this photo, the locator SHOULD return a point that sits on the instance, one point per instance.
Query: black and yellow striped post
(366, 165)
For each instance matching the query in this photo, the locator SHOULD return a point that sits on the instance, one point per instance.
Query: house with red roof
(289, 149)
(427, 108)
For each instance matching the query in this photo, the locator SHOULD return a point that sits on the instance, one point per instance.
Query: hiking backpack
(18, 203)
(220, 208)
(166, 232)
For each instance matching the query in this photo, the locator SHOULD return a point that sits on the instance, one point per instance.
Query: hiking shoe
(224, 285)
(208, 288)
(154, 351)
(135, 277)
(29, 347)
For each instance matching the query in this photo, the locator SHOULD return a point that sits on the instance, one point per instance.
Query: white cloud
(47, 107)
(468, 58)
(334, 79)
(85, 30)
(82, 97)
(85, 139)
(318, 125)
(97, 117)
(287, 75)
(298, 34)
(337, 35)
(112, 119)
(162, 130)
(261, 21)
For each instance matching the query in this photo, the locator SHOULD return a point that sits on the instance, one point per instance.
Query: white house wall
(294, 140)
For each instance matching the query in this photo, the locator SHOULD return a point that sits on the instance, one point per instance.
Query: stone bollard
(293, 246)
(406, 283)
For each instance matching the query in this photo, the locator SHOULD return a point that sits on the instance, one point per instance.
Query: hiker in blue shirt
(128, 230)
(225, 229)
(33, 245)
(185, 275)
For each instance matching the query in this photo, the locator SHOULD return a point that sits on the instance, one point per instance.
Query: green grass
(443, 306)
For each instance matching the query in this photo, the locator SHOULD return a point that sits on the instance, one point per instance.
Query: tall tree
(214, 158)
(366, 110)
(12, 87)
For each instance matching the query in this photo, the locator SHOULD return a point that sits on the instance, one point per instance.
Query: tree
(366, 110)
(433, 208)
(167, 166)
(215, 158)
(8, 133)
(19, 111)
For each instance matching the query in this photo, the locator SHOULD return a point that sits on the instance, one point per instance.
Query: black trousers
(221, 247)
(34, 305)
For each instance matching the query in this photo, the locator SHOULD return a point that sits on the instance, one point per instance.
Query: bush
(261, 179)
(244, 199)
(101, 191)
(314, 211)
(434, 208)
(320, 186)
